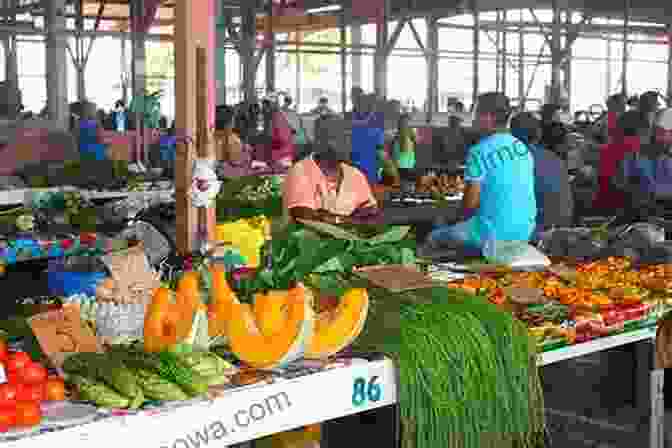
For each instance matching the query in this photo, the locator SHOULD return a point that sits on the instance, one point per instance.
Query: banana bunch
(260, 222)
(73, 202)
(25, 223)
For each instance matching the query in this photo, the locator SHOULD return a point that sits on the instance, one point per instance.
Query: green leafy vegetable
(330, 230)
(393, 235)
(297, 252)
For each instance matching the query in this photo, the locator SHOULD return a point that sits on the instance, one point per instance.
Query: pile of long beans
(467, 372)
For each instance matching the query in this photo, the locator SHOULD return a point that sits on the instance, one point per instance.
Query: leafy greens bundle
(304, 252)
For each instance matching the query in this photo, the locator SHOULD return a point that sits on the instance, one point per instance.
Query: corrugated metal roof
(641, 10)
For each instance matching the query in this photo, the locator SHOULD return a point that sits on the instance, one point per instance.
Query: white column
(56, 63)
(356, 58)
(669, 67)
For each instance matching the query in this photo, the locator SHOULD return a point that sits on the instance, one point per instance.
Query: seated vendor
(499, 201)
(323, 187)
(551, 179)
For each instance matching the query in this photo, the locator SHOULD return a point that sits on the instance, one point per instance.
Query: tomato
(3, 351)
(33, 373)
(17, 361)
(30, 392)
(8, 393)
(54, 389)
(28, 413)
(13, 376)
(7, 417)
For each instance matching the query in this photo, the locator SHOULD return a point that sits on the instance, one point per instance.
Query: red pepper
(88, 238)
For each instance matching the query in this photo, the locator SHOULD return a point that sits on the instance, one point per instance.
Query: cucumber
(98, 393)
(158, 388)
(102, 367)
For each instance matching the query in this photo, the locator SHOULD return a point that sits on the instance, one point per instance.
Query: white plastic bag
(515, 254)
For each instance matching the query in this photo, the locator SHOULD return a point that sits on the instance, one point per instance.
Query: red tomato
(7, 417)
(13, 376)
(54, 389)
(8, 393)
(33, 373)
(3, 351)
(17, 361)
(28, 413)
(30, 392)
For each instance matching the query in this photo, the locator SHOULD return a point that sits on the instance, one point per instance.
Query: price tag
(366, 387)
(3, 376)
(62, 332)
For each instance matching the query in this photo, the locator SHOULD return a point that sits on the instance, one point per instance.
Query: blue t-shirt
(504, 168)
(553, 194)
(366, 137)
(649, 176)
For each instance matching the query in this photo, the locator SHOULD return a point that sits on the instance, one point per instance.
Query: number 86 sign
(365, 391)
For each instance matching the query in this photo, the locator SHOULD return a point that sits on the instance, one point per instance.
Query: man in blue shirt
(499, 201)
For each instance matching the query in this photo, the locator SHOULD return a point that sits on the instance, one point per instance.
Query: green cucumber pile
(467, 370)
(127, 377)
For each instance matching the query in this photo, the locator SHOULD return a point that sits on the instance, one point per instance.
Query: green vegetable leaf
(330, 230)
(314, 253)
(407, 256)
(332, 265)
(266, 279)
(393, 235)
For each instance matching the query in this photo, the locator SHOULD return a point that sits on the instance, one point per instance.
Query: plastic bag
(515, 254)
(577, 243)
(134, 279)
(248, 235)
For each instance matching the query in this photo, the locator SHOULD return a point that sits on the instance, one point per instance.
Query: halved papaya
(289, 331)
(337, 328)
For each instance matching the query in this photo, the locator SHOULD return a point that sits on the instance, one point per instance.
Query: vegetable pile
(580, 302)
(249, 196)
(302, 253)
(467, 370)
(28, 384)
(127, 377)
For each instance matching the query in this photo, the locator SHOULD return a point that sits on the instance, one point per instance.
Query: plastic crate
(93, 151)
(62, 282)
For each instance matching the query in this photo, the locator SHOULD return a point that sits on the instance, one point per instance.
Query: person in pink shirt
(322, 187)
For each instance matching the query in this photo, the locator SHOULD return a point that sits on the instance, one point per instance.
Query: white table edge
(594, 346)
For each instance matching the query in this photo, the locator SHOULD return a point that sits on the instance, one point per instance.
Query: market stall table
(637, 334)
(23, 195)
(238, 414)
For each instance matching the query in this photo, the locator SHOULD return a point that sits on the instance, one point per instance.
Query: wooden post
(194, 23)
(204, 141)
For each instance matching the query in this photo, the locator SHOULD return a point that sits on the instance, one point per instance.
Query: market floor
(591, 402)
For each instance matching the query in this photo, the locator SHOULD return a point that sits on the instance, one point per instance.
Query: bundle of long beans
(467, 372)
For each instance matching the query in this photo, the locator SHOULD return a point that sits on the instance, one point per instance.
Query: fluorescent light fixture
(322, 9)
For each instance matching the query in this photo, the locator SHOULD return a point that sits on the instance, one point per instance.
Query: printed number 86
(362, 392)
